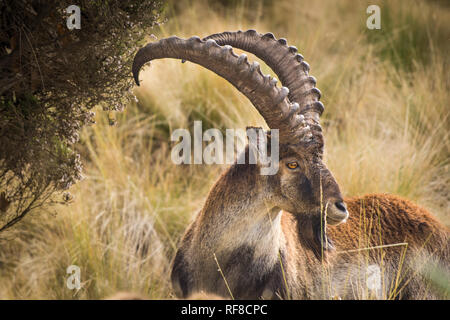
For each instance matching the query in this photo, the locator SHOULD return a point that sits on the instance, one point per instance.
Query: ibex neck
(239, 212)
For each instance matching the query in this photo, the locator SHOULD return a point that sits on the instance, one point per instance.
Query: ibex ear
(256, 132)
(258, 142)
(257, 129)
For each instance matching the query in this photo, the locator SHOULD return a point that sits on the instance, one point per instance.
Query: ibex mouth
(337, 213)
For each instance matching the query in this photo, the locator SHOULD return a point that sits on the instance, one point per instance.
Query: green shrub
(51, 77)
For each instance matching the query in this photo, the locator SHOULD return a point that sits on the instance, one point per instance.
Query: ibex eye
(292, 165)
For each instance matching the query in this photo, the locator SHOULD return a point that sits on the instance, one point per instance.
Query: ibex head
(302, 184)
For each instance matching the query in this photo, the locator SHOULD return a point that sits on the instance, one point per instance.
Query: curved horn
(271, 101)
(284, 60)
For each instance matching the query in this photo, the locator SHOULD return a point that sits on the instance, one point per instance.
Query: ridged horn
(270, 101)
(284, 60)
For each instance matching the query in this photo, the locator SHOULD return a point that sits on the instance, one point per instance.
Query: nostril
(341, 206)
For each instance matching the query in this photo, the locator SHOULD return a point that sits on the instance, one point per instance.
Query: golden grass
(386, 128)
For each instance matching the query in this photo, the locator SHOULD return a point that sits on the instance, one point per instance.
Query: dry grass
(386, 125)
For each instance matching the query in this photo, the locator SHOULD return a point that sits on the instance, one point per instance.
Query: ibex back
(268, 235)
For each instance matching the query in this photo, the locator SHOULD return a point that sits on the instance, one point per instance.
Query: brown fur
(375, 220)
(396, 219)
(242, 245)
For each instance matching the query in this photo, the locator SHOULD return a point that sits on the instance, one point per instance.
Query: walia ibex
(282, 235)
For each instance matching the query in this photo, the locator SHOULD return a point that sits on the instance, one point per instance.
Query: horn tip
(135, 70)
(136, 80)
